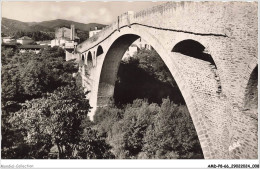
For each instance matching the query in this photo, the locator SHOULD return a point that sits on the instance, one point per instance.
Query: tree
(145, 76)
(55, 119)
(28, 75)
(32, 78)
(35, 35)
(151, 62)
(93, 146)
(125, 128)
(148, 131)
(172, 134)
(7, 54)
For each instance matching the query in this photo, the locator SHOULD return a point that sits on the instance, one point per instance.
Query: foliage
(35, 35)
(54, 119)
(146, 130)
(44, 107)
(28, 75)
(93, 146)
(83, 35)
(145, 76)
(151, 62)
(105, 123)
(24, 77)
(7, 54)
(172, 134)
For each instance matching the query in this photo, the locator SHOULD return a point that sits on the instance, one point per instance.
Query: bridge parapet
(126, 19)
(164, 8)
(123, 20)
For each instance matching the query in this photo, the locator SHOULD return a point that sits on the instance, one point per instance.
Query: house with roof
(31, 48)
(45, 42)
(25, 40)
(93, 32)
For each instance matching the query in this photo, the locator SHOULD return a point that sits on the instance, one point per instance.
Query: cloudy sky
(84, 12)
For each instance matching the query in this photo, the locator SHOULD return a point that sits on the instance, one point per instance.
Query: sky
(79, 11)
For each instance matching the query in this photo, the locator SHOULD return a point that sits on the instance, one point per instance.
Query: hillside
(60, 22)
(10, 26)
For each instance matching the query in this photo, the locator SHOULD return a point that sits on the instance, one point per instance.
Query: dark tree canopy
(43, 107)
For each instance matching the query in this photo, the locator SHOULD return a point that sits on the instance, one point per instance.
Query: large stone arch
(251, 114)
(109, 72)
(245, 127)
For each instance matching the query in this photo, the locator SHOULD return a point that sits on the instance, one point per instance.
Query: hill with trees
(16, 28)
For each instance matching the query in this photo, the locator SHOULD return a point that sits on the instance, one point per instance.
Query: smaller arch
(89, 59)
(193, 49)
(82, 57)
(99, 50)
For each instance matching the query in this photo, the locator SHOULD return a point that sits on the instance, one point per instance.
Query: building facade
(136, 46)
(65, 37)
(95, 31)
(25, 40)
(31, 48)
(8, 39)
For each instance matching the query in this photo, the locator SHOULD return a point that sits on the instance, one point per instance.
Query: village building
(31, 48)
(25, 40)
(8, 39)
(136, 46)
(46, 42)
(93, 32)
(65, 37)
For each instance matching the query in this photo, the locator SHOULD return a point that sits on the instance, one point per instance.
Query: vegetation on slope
(42, 108)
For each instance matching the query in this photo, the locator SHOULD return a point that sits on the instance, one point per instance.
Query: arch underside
(110, 67)
(89, 59)
(109, 74)
(251, 95)
(100, 50)
(246, 124)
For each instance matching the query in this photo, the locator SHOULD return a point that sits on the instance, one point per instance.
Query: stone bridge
(210, 49)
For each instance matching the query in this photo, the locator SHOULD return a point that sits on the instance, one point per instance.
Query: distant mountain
(61, 22)
(10, 26)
